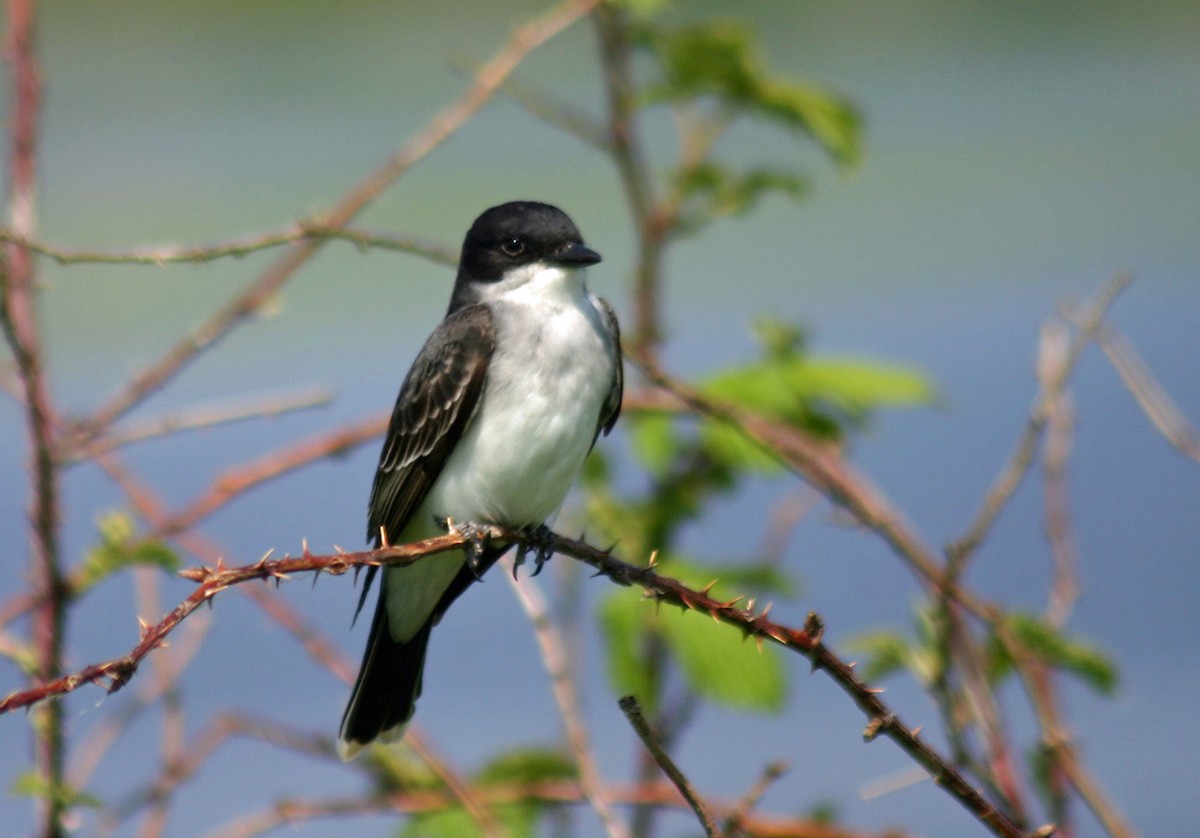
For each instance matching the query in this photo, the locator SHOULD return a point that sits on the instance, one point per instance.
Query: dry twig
(633, 712)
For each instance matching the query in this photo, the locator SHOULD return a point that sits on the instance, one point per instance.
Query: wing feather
(436, 404)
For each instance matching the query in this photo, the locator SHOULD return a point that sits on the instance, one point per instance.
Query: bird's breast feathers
(547, 382)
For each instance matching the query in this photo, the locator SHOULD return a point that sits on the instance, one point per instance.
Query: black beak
(576, 255)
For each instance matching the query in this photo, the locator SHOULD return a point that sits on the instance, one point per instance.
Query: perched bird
(492, 425)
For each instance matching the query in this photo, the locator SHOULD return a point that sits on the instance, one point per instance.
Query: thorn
(383, 539)
(708, 587)
(266, 555)
(338, 550)
(815, 626)
(750, 604)
(304, 547)
(758, 641)
(766, 611)
(876, 726)
(916, 731)
(653, 558)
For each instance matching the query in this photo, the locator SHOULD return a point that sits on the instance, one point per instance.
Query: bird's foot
(475, 542)
(541, 540)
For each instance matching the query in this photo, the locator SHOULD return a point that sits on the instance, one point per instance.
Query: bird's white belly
(534, 427)
(547, 383)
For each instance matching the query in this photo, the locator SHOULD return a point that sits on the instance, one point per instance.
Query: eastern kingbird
(492, 425)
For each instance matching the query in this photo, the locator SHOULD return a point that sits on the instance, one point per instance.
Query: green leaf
(711, 191)
(1080, 658)
(654, 440)
(720, 664)
(723, 60)
(31, 784)
(529, 765)
(716, 660)
(624, 627)
(792, 388)
(119, 548)
(887, 653)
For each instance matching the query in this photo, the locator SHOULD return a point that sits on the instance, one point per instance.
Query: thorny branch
(114, 674)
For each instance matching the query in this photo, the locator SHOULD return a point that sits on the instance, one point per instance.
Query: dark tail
(389, 682)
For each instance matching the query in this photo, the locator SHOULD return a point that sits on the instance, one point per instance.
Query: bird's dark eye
(512, 247)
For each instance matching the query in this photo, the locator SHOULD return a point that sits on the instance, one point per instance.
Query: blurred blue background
(1017, 155)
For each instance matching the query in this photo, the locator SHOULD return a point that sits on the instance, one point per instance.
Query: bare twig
(1060, 425)
(203, 416)
(651, 231)
(245, 246)
(735, 820)
(486, 82)
(633, 712)
(1022, 457)
(157, 794)
(464, 794)
(1159, 407)
(554, 656)
(237, 481)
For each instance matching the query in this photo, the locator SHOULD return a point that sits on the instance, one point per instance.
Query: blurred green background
(1017, 154)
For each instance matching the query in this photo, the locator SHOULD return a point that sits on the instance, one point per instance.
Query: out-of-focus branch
(445, 123)
(237, 481)
(735, 821)
(656, 794)
(203, 417)
(558, 666)
(18, 319)
(1018, 464)
(1159, 407)
(245, 246)
(1060, 425)
(650, 229)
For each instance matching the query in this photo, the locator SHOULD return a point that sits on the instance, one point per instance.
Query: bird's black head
(521, 233)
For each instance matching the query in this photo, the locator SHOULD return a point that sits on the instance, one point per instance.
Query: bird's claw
(475, 541)
(540, 539)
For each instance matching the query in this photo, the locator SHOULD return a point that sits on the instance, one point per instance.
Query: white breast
(547, 382)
